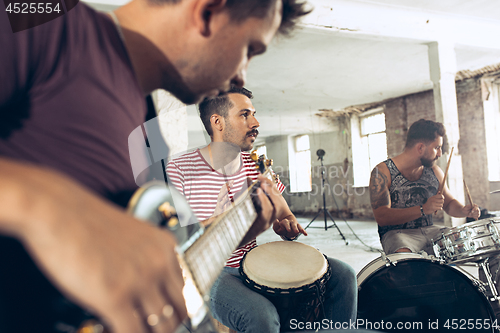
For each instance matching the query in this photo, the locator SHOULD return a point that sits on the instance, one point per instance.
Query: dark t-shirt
(69, 100)
(405, 194)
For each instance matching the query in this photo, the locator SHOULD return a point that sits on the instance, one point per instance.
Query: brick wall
(395, 126)
(420, 106)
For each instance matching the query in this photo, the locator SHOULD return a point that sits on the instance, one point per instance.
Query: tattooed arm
(381, 200)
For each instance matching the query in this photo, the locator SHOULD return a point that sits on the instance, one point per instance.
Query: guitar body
(167, 209)
(29, 303)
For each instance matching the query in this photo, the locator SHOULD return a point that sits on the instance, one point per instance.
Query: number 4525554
(33, 8)
(469, 324)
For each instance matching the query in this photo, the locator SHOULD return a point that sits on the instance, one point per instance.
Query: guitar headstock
(264, 165)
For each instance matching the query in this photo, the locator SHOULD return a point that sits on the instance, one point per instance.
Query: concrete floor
(329, 241)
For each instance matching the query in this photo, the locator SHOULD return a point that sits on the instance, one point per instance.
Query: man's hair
(219, 105)
(424, 131)
(240, 10)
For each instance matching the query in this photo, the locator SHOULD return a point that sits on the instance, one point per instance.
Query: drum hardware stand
(387, 260)
(482, 286)
(475, 281)
(320, 154)
(485, 266)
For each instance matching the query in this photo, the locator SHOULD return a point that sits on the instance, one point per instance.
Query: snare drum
(414, 292)
(470, 242)
(291, 275)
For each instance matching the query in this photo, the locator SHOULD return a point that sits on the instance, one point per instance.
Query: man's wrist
(422, 214)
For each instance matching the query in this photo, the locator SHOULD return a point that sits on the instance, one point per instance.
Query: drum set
(433, 292)
(400, 291)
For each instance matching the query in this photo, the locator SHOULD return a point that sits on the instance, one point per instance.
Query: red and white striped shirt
(200, 184)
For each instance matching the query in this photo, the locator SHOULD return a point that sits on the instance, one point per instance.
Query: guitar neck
(207, 256)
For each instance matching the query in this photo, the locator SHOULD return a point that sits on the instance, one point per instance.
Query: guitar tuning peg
(169, 213)
(254, 156)
(167, 210)
(172, 222)
(91, 326)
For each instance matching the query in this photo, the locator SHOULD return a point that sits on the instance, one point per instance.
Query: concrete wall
(494, 197)
(337, 170)
(472, 145)
(173, 121)
(340, 196)
(396, 126)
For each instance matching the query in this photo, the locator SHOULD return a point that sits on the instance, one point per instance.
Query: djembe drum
(292, 276)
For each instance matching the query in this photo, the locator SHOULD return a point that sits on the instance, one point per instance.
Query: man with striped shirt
(209, 178)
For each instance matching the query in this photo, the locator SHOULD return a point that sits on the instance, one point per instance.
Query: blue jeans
(243, 310)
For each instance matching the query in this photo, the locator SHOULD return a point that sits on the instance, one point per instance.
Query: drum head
(284, 264)
(418, 293)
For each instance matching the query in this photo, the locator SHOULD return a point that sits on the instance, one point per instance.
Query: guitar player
(209, 178)
(72, 91)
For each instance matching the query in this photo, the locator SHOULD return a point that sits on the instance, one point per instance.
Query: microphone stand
(324, 210)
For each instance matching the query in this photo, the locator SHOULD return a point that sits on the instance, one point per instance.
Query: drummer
(209, 178)
(404, 192)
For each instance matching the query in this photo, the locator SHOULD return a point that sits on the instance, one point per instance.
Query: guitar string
(234, 219)
(238, 221)
(246, 218)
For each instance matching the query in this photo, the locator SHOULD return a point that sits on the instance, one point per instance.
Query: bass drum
(418, 294)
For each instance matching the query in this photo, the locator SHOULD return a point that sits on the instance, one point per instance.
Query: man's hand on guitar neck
(273, 206)
(117, 267)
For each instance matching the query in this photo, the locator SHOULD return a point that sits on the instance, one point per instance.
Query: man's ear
(421, 147)
(204, 11)
(217, 122)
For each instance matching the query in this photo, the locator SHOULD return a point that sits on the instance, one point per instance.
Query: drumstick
(441, 186)
(468, 194)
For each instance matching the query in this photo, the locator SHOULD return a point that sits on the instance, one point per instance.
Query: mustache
(254, 131)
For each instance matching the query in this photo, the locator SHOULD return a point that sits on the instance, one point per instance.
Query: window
(300, 164)
(369, 145)
(373, 133)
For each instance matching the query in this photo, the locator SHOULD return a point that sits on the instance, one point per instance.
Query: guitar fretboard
(207, 256)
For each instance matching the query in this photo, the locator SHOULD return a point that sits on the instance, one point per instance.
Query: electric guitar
(31, 304)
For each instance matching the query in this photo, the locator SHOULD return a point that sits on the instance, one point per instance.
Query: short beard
(247, 147)
(229, 135)
(427, 162)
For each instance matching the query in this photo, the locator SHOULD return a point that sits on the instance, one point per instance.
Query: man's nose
(240, 78)
(254, 123)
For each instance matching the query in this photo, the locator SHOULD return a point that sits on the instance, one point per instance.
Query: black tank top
(405, 193)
